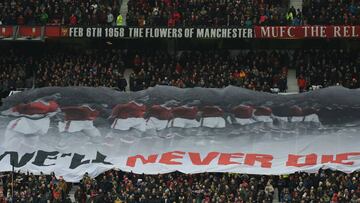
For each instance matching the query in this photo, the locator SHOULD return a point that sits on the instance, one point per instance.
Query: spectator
(301, 83)
(110, 18)
(122, 83)
(73, 19)
(44, 18)
(119, 20)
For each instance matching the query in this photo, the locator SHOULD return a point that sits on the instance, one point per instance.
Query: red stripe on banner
(15, 124)
(52, 31)
(27, 31)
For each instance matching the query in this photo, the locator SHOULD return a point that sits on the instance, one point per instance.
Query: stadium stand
(331, 12)
(179, 13)
(257, 70)
(26, 187)
(205, 13)
(254, 70)
(194, 13)
(117, 186)
(323, 68)
(57, 12)
(16, 71)
(255, 64)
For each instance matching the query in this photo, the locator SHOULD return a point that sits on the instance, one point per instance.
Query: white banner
(45, 131)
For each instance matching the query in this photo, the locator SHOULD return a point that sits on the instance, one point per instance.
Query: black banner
(151, 32)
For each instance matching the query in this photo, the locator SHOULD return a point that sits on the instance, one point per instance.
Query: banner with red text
(75, 130)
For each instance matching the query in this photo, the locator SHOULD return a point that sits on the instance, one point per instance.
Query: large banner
(256, 32)
(75, 130)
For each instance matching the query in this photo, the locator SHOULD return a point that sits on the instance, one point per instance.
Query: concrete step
(292, 81)
(276, 195)
(72, 193)
(296, 3)
(127, 73)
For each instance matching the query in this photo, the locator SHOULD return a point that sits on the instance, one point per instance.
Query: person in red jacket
(73, 20)
(33, 117)
(34, 109)
(159, 117)
(129, 115)
(176, 16)
(171, 22)
(2, 197)
(56, 193)
(79, 118)
(263, 114)
(301, 83)
(242, 115)
(297, 114)
(289, 114)
(213, 117)
(311, 115)
(185, 117)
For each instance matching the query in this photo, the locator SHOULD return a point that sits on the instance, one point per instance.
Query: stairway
(127, 73)
(72, 193)
(296, 3)
(292, 81)
(276, 196)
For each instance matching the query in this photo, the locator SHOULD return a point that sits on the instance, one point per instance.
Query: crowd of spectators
(65, 12)
(29, 188)
(16, 71)
(180, 13)
(241, 13)
(323, 68)
(337, 12)
(206, 13)
(256, 70)
(176, 187)
(91, 68)
(261, 70)
(62, 68)
(325, 186)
